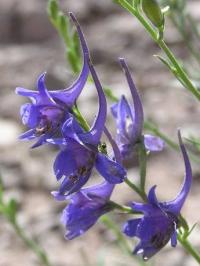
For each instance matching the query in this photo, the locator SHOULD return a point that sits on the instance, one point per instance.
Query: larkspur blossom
(48, 110)
(85, 208)
(160, 221)
(130, 121)
(88, 204)
(79, 151)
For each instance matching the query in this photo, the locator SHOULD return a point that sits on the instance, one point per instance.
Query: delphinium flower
(130, 121)
(85, 208)
(88, 204)
(161, 219)
(81, 151)
(48, 110)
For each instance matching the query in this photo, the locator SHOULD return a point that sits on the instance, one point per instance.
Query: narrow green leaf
(191, 230)
(166, 62)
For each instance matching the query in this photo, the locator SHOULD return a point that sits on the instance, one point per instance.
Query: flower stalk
(142, 165)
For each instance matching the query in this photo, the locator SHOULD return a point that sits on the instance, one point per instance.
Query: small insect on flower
(48, 110)
(160, 221)
(130, 121)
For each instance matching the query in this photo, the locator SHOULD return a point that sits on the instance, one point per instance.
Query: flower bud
(153, 12)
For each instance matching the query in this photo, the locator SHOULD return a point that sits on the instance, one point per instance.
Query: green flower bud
(153, 12)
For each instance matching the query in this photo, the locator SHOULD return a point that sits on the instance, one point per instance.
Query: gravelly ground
(30, 46)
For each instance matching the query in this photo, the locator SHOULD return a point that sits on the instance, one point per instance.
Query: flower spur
(130, 121)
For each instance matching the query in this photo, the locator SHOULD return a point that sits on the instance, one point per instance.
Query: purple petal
(57, 141)
(130, 227)
(41, 140)
(29, 114)
(58, 196)
(27, 93)
(139, 116)
(154, 232)
(125, 121)
(70, 185)
(40, 97)
(152, 199)
(142, 207)
(72, 129)
(103, 190)
(28, 135)
(72, 159)
(153, 143)
(64, 164)
(114, 109)
(44, 97)
(80, 183)
(174, 239)
(78, 218)
(112, 171)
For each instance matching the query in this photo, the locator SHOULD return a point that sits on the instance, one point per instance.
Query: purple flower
(85, 208)
(48, 110)
(87, 205)
(160, 221)
(80, 151)
(130, 120)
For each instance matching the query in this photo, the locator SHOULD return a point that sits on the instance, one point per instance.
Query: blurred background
(29, 45)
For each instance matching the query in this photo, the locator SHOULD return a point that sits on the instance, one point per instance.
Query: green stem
(184, 223)
(187, 245)
(161, 43)
(80, 118)
(143, 166)
(123, 208)
(31, 244)
(136, 189)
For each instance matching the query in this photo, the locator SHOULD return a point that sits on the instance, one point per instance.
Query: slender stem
(123, 208)
(136, 189)
(184, 223)
(31, 244)
(143, 166)
(187, 245)
(161, 43)
(80, 118)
